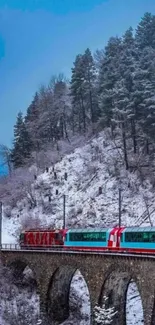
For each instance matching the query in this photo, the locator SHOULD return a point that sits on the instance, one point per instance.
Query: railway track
(60, 250)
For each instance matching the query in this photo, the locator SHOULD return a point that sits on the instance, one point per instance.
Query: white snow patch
(134, 309)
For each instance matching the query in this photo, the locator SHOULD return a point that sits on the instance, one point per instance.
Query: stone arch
(17, 266)
(57, 303)
(115, 287)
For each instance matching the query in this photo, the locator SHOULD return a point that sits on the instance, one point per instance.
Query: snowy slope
(97, 164)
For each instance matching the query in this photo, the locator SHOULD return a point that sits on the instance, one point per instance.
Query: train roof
(44, 230)
(127, 229)
(90, 230)
(139, 229)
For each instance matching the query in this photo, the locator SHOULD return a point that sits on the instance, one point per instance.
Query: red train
(42, 238)
(123, 239)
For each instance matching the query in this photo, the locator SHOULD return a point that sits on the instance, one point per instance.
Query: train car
(42, 238)
(124, 239)
(86, 239)
(93, 239)
(76, 239)
(138, 240)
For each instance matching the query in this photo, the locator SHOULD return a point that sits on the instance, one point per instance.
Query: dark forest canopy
(113, 88)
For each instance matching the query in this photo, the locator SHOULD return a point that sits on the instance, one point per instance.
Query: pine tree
(145, 32)
(83, 91)
(22, 145)
(77, 94)
(62, 108)
(144, 92)
(32, 121)
(89, 86)
(148, 106)
(128, 67)
(120, 113)
(46, 115)
(108, 75)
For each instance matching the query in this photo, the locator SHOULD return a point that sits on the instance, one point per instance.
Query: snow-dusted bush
(7, 212)
(49, 208)
(91, 170)
(18, 306)
(104, 315)
(54, 152)
(16, 187)
(79, 209)
(19, 312)
(30, 221)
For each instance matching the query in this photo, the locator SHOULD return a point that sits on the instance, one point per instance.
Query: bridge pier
(148, 307)
(43, 314)
(148, 300)
(42, 287)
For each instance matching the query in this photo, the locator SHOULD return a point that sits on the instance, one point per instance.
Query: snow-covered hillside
(95, 167)
(90, 178)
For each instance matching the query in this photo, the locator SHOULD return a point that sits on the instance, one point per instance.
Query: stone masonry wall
(104, 275)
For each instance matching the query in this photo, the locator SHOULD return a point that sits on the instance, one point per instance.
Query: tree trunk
(91, 108)
(79, 118)
(65, 129)
(134, 137)
(83, 114)
(73, 120)
(125, 147)
(147, 147)
(61, 127)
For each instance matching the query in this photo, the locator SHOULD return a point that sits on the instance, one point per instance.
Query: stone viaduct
(107, 275)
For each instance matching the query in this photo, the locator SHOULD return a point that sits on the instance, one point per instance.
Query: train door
(114, 238)
(119, 233)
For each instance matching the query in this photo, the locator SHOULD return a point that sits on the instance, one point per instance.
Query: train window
(152, 237)
(21, 237)
(58, 236)
(146, 237)
(88, 236)
(140, 237)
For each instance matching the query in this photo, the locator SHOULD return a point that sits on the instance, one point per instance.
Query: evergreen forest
(112, 88)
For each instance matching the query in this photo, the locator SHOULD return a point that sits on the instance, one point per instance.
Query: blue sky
(39, 38)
